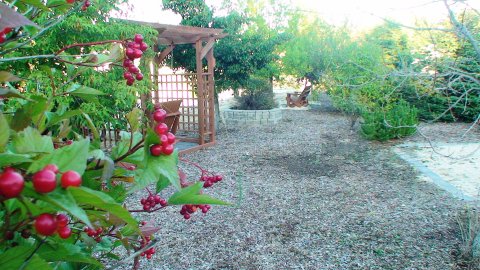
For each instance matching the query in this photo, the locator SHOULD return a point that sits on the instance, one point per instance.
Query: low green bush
(258, 95)
(384, 124)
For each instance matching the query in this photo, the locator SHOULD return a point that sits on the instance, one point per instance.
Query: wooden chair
(173, 113)
(299, 99)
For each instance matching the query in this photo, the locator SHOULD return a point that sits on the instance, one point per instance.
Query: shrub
(384, 124)
(258, 95)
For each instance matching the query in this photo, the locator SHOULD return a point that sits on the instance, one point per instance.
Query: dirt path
(311, 194)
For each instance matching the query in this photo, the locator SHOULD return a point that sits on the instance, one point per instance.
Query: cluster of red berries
(134, 51)
(167, 139)
(4, 33)
(47, 224)
(151, 201)
(149, 252)
(189, 209)
(86, 3)
(94, 233)
(44, 181)
(209, 180)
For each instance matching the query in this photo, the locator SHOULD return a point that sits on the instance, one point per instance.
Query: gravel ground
(310, 193)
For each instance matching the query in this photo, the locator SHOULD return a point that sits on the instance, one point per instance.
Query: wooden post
(200, 93)
(211, 91)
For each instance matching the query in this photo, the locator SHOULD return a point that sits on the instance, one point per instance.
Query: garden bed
(308, 193)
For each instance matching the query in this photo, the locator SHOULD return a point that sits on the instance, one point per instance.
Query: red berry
(207, 184)
(68, 142)
(143, 46)
(44, 181)
(146, 207)
(64, 232)
(149, 256)
(3, 37)
(62, 220)
(218, 178)
(45, 224)
(127, 75)
(86, 3)
(130, 53)
(159, 115)
(167, 149)
(156, 150)
(7, 30)
(163, 202)
(171, 138)
(143, 201)
(164, 139)
(71, 178)
(137, 53)
(11, 183)
(131, 45)
(51, 167)
(127, 63)
(99, 230)
(161, 128)
(186, 216)
(70, 1)
(130, 82)
(138, 38)
(139, 76)
(133, 69)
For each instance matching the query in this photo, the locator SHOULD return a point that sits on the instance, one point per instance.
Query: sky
(359, 14)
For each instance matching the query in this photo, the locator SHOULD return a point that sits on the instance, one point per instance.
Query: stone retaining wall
(251, 117)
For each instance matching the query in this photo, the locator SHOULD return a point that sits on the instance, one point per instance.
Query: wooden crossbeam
(159, 59)
(207, 48)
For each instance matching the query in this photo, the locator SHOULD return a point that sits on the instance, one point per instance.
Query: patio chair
(299, 99)
(173, 113)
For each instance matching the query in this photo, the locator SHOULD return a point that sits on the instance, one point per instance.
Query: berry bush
(62, 197)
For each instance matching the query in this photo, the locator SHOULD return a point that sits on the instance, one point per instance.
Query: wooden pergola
(197, 120)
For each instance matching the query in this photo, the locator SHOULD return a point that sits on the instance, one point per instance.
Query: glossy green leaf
(31, 141)
(153, 169)
(54, 118)
(14, 258)
(100, 200)
(58, 251)
(36, 3)
(84, 92)
(190, 195)
(11, 159)
(5, 134)
(61, 199)
(70, 157)
(124, 145)
(162, 184)
(133, 119)
(92, 127)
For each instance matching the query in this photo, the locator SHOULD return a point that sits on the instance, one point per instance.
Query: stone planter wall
(251, 117)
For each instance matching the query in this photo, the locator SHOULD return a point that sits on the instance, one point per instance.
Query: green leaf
(66, 252)
(31, 141)
(62, 199)
(54, 118)
(70, 157)
(133, 119)
(190, 195)
(13, 258)
(162, 184)
(153, 169)
(11, 159)
(122, 147)
(84, 92)
(116, 53)
(5, 134)
(21, 120)
(8, 77)
(100, 200)
(92, 127)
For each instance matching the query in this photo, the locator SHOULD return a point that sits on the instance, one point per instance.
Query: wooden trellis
(196, 90)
